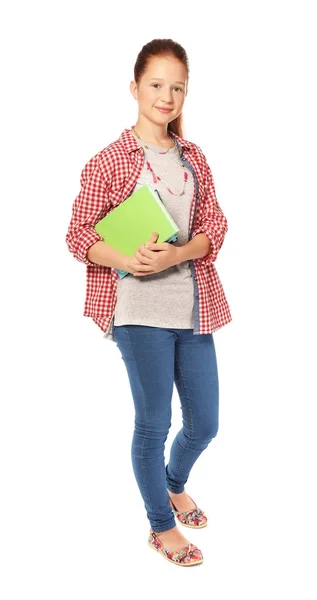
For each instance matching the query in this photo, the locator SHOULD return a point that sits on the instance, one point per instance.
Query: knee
(208, 431)
(152, 429)
(149, 441)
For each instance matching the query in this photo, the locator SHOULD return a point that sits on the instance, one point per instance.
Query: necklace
(156, 177)
(145, 146)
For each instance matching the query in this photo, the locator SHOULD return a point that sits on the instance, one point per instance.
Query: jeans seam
(145, 413)
(190, 412)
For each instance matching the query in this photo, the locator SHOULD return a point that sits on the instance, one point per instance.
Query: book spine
(162, 205)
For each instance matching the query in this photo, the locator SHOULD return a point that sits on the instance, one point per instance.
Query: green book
(131, 223)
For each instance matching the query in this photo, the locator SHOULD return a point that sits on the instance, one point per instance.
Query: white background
(73, 524)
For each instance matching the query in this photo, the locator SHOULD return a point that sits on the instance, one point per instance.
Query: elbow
(79, 242)
(216, 239)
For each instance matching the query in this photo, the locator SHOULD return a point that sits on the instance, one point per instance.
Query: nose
(167, 96)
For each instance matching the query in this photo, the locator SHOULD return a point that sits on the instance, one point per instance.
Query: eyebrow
(160, 79)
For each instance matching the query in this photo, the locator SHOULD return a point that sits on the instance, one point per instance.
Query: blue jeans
(155, 357)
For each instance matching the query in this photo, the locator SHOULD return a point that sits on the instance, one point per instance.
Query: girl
(162, 315)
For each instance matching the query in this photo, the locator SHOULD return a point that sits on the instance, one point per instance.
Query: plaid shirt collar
(130, 143)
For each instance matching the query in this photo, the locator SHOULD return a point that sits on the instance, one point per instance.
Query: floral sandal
(194, 518)
(184, 557)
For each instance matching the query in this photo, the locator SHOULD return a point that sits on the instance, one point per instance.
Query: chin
(160, 117)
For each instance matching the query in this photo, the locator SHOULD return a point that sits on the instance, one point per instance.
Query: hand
(153, 258)
(132, 263)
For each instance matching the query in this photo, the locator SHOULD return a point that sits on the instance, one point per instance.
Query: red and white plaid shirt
(107, 180)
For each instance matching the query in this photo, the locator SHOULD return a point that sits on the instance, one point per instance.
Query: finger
(142, 249)
(143, 256)
(153, 237)
(143, 267)
(154, 247)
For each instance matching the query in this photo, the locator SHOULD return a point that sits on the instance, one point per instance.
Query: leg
(149, 353)
(196, 379)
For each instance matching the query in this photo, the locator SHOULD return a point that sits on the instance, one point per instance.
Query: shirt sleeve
(213, 222)
(91, 205)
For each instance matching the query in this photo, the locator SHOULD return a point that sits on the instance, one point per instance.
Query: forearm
(196, 248)
(103, 254)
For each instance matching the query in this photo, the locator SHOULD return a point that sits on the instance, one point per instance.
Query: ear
(134, 89)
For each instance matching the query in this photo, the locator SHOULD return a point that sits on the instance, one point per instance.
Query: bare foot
(172, 539)
(182, 502)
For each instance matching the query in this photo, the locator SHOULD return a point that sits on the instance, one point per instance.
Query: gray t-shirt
(164, 299)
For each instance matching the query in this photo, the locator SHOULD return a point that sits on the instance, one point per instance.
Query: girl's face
(161, 90)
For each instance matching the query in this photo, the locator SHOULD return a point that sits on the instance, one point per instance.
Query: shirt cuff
(87, 238)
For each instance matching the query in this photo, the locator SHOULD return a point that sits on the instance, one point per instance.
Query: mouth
(164, 110)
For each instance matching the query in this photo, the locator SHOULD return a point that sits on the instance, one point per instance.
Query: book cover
(131, 223)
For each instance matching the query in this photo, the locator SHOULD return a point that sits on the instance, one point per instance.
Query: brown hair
(162, 47)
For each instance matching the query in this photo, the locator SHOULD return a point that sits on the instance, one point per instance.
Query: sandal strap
(178, 555)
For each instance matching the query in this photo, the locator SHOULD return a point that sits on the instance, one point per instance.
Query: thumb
(153, 238)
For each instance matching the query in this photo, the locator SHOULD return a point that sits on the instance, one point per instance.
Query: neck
(157, 135)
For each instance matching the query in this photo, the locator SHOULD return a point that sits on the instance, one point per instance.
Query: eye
(154, 84)
(178, 88)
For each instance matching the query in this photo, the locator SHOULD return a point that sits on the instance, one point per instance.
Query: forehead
(165, 67)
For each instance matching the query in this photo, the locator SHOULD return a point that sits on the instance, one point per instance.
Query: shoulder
(195, 155)
(115, 152)
(107, 160)
(191, 149)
